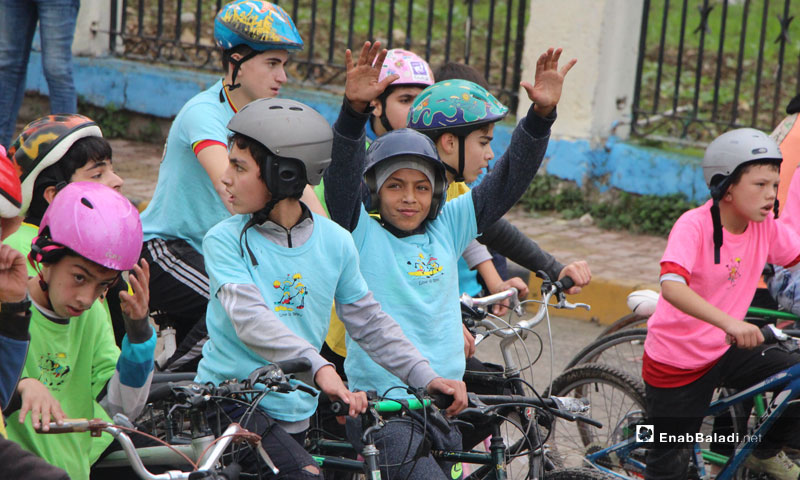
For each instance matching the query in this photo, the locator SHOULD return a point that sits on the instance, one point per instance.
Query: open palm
(362, 85)
(548, 81)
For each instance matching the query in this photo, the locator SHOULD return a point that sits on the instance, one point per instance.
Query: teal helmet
(454, 106)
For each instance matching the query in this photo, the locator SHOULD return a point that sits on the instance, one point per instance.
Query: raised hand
(362, 85)
(135, 307)
(548, 80)
(13, 275)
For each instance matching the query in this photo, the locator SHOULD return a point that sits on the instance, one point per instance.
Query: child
(51, 152)
(88, 236)
(408, 256)
(275, 269)
(696, 339)
(256, 38)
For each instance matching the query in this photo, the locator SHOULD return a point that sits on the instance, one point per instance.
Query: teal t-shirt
(298, 284)
(415, 279)
(185, 204)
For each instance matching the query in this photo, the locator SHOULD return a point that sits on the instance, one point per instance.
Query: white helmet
(735, 148)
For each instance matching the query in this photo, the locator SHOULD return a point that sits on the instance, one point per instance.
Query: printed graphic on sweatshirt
(292, 293)
(734, 270)
(54, 370)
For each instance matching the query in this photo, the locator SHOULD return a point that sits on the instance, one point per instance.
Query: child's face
(247, 193)
(74, 284)
(405, 199)
(397, 105)
(98, 171)
(477, 152)
(753, 197)
(263, 75)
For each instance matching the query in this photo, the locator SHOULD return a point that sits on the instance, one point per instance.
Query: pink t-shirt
(677, 339)
(790, 213)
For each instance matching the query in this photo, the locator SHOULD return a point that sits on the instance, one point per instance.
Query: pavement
(620, 261)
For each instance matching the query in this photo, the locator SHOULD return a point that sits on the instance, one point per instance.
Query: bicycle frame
(788, 381)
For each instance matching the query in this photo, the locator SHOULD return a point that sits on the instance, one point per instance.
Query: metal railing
(706, 66)
(487, 34)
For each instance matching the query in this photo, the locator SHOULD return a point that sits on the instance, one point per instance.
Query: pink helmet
(412, 69)
(96, 222)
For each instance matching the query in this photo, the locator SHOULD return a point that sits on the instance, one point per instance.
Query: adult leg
(57, 20)
(17, 25)
(179, 295)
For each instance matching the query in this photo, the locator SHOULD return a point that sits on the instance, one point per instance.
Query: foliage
(113, 121)
(618, 211)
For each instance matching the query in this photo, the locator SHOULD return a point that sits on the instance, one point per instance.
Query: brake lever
(566, 304)
(305, 388)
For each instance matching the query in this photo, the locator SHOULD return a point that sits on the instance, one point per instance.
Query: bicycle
(625, 458)
(492, 464)
(177, 416)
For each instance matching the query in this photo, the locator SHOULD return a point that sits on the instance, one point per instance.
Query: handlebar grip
(294, 365)
(339, 407)
(567, 282)
(441, 400)
(769, 335)
(159, 392)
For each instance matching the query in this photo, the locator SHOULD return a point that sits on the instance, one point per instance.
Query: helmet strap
(258, 218)
(717, 192)
(462, 141)
(236, 65)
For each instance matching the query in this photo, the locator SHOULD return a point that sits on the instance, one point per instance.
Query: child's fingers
(380, 57)
(362, 57)
(566, 68)
(554, 58)
(374, 51)
(388, 80)
(23, 410)
(348, 60)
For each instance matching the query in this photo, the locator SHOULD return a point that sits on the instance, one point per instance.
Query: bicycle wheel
(622, 350)
(577, 474)
(615, 399)
(631, 320)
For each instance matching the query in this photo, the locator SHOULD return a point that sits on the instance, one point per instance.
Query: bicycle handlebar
(234, 432)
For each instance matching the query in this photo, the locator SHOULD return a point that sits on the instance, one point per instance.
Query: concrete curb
(606, 296)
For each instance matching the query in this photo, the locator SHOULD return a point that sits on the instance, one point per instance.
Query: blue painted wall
(161, 91)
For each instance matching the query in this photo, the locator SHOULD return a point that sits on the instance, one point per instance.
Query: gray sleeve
(262, 331)
(513, 172)
(475, 254)
(383, 340)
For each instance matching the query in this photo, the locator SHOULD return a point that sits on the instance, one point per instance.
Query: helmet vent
(757, 151)
(296, 109)
(276, 107)
(87, 202)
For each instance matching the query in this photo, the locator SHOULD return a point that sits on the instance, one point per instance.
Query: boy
(51, 152)
(256, 38)
(696, 338)
(275, 269)
(88, 236)
(409, 256)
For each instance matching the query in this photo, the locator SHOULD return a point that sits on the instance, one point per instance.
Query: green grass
(323, 68)
(742, 110)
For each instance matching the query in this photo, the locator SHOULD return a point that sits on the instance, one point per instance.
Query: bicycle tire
(577, 474)
(631, 320)
(622, 350)
(615, 399)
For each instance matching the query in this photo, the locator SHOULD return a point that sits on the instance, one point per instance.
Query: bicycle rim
(622, 350)
(615, 399)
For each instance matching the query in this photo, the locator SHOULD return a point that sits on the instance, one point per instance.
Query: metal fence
(487, 34)
(706, 66)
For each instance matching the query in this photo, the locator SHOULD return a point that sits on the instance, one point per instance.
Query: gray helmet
(292, 132)
(735, 148)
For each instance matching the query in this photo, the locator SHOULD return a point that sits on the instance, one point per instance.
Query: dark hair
(737, 173)
(259, 152)
(82, 152)
(460, 71)
(241, 49)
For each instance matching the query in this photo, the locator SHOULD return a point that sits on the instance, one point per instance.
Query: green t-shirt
(21, 242)
(75, 361)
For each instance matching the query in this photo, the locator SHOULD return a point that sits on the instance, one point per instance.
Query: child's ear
(50, 193)
(447, 142)
(378, 106)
